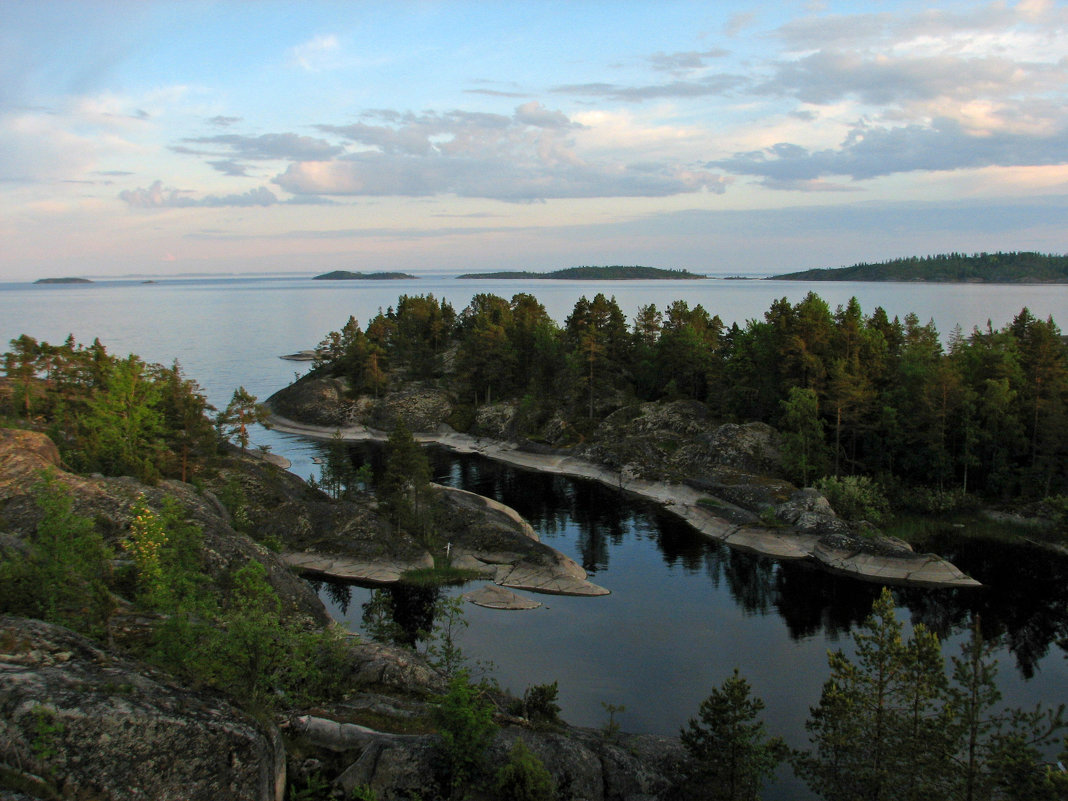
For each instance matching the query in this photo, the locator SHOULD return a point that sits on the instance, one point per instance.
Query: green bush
(855, 498)
(462, 417)
(464, 717)
(1058, 504)
(524, 777)
(539, 704)
(63, 575)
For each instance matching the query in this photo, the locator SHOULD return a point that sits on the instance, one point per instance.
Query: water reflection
(1024, 599)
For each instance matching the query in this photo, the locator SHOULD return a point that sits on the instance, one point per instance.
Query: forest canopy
(994, 268)
(853, 393)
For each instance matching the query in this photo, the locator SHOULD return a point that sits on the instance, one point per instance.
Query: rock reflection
(1024, 601)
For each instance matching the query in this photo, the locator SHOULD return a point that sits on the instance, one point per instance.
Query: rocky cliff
(77, 721)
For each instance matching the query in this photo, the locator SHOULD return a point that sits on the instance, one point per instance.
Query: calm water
(683, 613)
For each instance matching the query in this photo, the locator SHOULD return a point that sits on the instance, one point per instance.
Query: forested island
(346, 275)
(980, 268)
(606, 273)
(857, 397)
(63, 281)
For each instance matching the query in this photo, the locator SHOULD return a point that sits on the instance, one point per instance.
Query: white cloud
(317, 54)
(36, 149)
(157, 196)
(531, 155)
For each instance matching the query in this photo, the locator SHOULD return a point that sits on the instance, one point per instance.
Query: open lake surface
(683, 612)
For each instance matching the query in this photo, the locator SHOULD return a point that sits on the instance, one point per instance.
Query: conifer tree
(731, 753)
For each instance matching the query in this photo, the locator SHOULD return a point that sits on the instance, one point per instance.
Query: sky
(154, 138)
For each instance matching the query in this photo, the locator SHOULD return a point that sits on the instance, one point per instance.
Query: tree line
(852, 393)
(118, 415)
(1014, 267)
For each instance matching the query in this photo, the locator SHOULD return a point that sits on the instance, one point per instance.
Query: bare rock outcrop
(315, 399)
(75, 718)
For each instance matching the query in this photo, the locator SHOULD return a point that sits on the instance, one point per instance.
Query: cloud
(230, 167)
(496, 93)
(378, 174)
(224, 122)
(36, 148)
(266, 147)
(739, 22)
(829, 76)
(684, 61)
(527, 156)
(158, 196)
(535, 114)
(317, 54)
(712, 85)
(870, 152)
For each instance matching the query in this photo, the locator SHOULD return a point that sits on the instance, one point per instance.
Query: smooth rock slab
(376, 572)
(535, 579)
(493, 597)
(679, 499)
(925, 570)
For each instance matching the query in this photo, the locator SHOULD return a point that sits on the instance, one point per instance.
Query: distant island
(979, 268)
(63, 281)
(346, 275)
(611, 273)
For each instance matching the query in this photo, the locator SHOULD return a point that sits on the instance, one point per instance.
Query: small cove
(685, 611)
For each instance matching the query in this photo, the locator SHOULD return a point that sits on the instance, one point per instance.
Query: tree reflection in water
(1024, 600)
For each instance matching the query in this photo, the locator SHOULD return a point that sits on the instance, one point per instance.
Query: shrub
(524, 777)
(464, 718)
(855, 498)
(539, 703)
(62, 576)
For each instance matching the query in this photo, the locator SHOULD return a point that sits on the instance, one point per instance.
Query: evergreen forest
(999, 268)
(853, 393)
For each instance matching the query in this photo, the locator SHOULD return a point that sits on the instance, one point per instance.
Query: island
(346, 275)
(979, 268)
(63, 281)
(608, 273)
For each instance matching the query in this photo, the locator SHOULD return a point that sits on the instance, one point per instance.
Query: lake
(683, 612)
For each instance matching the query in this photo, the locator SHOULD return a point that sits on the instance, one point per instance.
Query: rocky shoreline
(83, 717)
(845, 557)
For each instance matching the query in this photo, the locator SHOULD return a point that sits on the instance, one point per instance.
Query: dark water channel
(684, 611)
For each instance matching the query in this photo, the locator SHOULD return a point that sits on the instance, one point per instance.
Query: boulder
(810, 513)
(749, 447)
(317, 400)
(583, 764)
(495, 420)
(90, 725)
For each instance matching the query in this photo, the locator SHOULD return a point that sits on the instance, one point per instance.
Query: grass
(439, 575)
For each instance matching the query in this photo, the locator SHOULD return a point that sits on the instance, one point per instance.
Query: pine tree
(870, 727)
(728, 746)
(405, 487)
